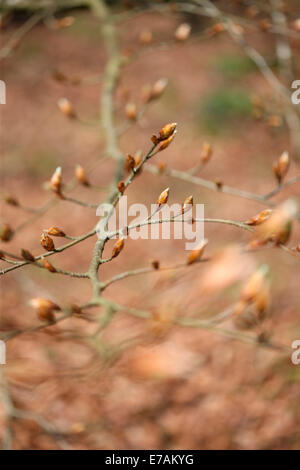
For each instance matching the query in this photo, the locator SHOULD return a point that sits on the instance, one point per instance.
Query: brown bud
(264, 337)
(218, 28)
(145, 37)
(48, 265)
(262, 301)
(167, 130)
(121, 186)
(129, 162)
(264, 24)
(255, 244)
(219, 183)
(187, 204)
(206, 152)
(55, 232)
(161, 166)
(259, 218)
(75, 309)
(278, 226)
(165, 143)
(155, 139)
(163, 197)
(12, 201)
(130, 111)
(66, 21)
(281, 167)
(146, 94)
(47, 242)
(66, 107)
(27, 255)
(45, 308)
(61, 22)
(255, 284)
(155, 264)
(274, 121)
(78, 428)
(81, 175)
(158, 88)
(182, 32)
(2, 255)
(118, 247)
(56, 181)
(6, 232)
(59, 76)
(137, 157)
(137, 161)
(283, 235)
(196, 254)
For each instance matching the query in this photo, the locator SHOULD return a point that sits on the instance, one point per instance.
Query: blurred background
(138, 384)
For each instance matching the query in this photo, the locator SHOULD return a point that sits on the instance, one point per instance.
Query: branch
(291, 115)
(285, 59)
(50, 253)
(197, 323)
(13, 413)
(223, 188)
(21, 32)
(136, 272)
(35, 5)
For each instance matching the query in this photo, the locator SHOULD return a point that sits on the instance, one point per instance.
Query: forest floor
(131, 389)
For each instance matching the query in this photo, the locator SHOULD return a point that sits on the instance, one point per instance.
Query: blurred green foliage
(222, 108)
(235, 66)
